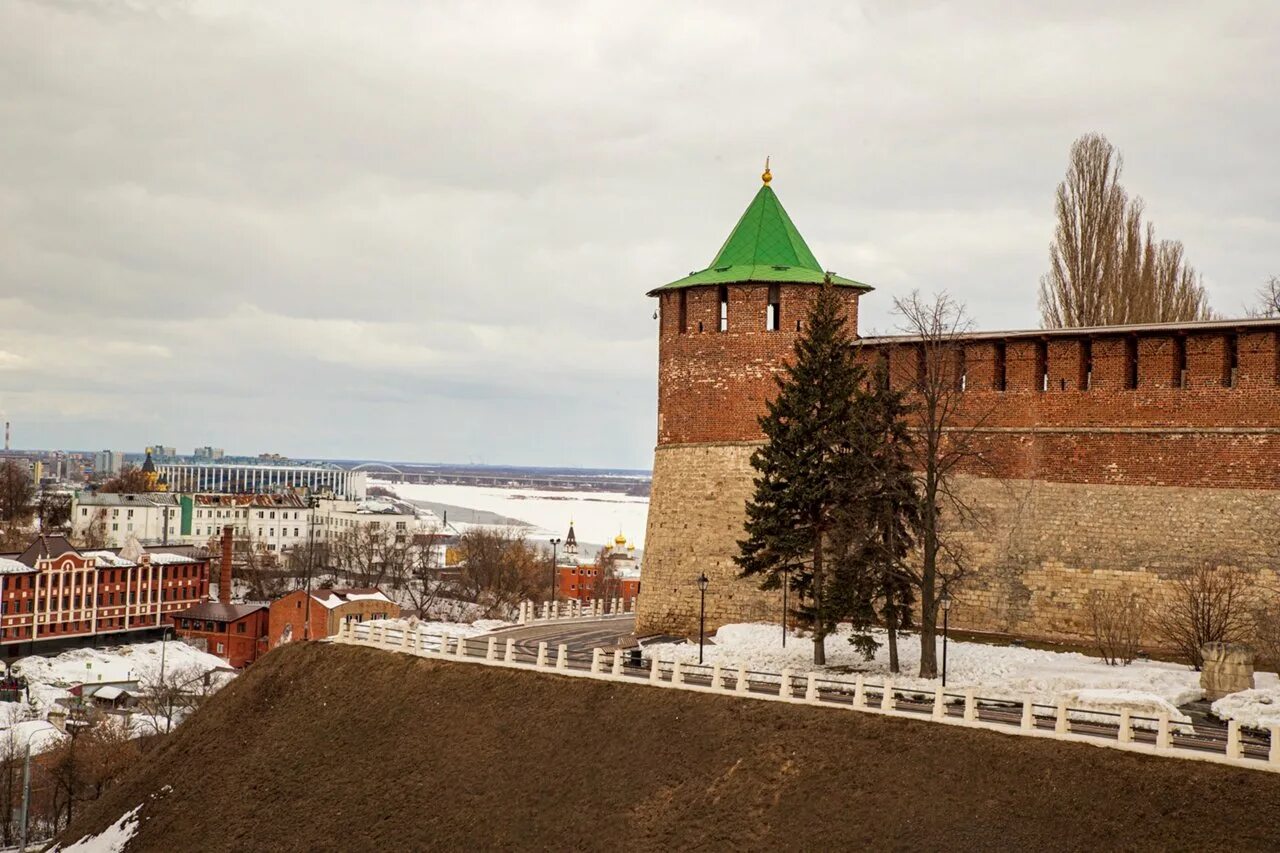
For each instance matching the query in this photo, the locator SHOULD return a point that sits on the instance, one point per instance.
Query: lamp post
(702, 612)
(786, 582)
(946, 609)
(555, 543)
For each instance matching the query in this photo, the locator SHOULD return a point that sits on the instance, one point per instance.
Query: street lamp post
(786, 582)
(702, 612)
(946, 609)
(555, 543)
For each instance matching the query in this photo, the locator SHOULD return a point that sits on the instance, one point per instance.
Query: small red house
(237, 632)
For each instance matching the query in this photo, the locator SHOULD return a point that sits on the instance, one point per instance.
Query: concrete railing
(1133, 733)
(552, 611)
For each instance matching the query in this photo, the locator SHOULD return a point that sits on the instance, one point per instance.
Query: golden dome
(767, 176)
(620, 540)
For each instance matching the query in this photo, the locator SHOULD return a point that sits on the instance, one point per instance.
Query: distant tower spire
(571, 540)
(767, 176)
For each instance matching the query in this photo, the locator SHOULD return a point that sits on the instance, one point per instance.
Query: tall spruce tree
(804, 468)
(875, 528)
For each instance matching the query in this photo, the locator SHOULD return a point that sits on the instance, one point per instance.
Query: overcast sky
(424, 230)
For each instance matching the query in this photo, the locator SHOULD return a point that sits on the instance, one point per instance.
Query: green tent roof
(764, 246)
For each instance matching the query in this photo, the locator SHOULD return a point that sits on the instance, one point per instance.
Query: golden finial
(767, 176)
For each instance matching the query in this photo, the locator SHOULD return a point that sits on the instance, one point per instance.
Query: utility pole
(26, 799)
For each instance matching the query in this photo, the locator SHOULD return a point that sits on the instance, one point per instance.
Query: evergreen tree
(803, 468)
(875, 528)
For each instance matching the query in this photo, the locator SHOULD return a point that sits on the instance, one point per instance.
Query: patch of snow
(111, 840)
(1256, 709)
(49, 678)
(453, 629)
(994, 672)
(13, 567)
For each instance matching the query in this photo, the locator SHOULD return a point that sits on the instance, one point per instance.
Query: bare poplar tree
(945, 442)
(1105, 265)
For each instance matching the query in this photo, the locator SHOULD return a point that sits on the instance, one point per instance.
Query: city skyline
(406, 232)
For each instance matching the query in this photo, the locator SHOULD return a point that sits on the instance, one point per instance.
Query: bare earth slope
(324, 747)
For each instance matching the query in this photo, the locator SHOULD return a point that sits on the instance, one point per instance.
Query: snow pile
(111, 840)
(1143, 707)
(1255, 709)
(993, 672)
(453, 629)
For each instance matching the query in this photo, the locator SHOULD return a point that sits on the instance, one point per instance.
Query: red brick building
(301, 615)
(237, 632)
(53, 594)
(1111, 457)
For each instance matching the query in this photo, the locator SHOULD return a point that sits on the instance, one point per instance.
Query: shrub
(1117, 618)
(1208, 604)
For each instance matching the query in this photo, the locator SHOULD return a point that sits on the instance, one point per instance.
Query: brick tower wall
(1096, 472)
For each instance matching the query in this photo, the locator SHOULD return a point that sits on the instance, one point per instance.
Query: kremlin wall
(1114, 457)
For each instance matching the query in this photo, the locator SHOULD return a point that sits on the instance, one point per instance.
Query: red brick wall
(1216, 431)
(712, 385)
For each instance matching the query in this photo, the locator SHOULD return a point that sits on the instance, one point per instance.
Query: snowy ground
(113, 839)
(50, 679)
(995, 672)
(597, 516)
(453, 629)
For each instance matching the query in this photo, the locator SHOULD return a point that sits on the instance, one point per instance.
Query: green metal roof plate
(764, 246)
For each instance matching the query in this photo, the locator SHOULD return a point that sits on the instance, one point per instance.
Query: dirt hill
(323, 747)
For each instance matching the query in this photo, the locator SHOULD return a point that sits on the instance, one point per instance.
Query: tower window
(1000, 371)
(724, 308)
(1232, 361)
(1180, 362)
(1086, 364)
(684, 311)
(962, 373)
(1131, 362)
(773, 313)
(1042, 365)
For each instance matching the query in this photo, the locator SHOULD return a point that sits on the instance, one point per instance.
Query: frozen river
(597, 516)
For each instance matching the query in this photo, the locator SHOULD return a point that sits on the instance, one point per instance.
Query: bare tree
(94, 535)
(1208, 604)
(130, 481)
(418, 581)
(17, 492)
(1268, 299)
(167, 698)
(945, 442)
(54, 511)
(499, 568)
(1105, 265)
(1117, 618)
(369, 554)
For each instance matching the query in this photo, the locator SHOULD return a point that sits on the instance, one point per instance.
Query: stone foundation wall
(1038, 549)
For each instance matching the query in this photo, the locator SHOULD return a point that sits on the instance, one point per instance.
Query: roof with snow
(215, 611)
(332, 598)
(127, 499)
(52, 547)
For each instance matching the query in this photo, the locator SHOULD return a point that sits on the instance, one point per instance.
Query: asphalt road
(580, 635)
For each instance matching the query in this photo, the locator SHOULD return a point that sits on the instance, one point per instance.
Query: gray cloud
(425, 230)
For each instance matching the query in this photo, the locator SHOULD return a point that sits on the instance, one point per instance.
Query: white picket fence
(1152, 736)
(549, 611)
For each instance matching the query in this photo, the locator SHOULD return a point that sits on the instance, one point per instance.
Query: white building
(335, 517)
(154, 517)
(227, 478)
(276, 523)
